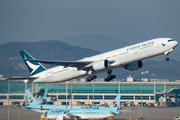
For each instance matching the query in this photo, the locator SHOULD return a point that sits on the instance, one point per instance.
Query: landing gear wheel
(91, 78)
(107, 79)
(87, 80)
(95, 76)
(110, 77)
(166, 59)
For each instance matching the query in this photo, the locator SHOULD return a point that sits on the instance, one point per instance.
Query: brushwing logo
(114, 104)
(32, 66)
(163, 44)
(30, 99)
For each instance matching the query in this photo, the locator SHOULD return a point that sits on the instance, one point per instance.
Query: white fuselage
(81, 116)
(121, 57)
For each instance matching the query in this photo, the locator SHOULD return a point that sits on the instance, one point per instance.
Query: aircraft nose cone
(176, 43)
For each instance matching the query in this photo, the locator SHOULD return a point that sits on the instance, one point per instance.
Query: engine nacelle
(100, 65)
(134, 66)
(60, 117)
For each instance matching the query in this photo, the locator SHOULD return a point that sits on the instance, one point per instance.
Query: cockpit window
(170, 40)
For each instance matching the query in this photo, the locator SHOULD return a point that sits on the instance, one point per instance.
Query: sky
(130, 20)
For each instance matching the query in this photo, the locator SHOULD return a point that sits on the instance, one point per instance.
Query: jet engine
(134, 66)
(100, 65)
(60, 117)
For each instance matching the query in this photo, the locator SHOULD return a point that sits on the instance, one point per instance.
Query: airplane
(129, 57)
(41, 100)
(60, 114)
(33, 104)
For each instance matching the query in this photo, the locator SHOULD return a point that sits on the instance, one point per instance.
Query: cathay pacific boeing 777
(129, 57)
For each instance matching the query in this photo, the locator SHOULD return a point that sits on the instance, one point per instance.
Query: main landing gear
(110, 77)
(91, 77)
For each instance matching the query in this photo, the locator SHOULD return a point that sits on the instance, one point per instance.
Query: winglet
(45, 94)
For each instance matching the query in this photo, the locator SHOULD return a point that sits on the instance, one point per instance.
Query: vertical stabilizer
(115, 103)
(33, 67)
(31, 100)
(45, 95)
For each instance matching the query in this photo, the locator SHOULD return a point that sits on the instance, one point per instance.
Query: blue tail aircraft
(41, 100)
(60, 114)
(33, 104)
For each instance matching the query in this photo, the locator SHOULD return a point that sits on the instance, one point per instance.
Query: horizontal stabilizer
(123, 111)
(21, 79)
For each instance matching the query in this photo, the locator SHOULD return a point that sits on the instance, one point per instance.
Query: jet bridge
(168, 97)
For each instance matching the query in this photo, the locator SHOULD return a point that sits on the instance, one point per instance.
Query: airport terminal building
(101, 91)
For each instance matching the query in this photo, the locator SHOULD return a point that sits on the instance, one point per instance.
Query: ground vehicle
(82, 103)
(96, 103)
(143, 104)
(150, 105)
(123, 104)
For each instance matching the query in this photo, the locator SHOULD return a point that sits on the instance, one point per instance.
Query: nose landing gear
(167, 53)
(167, 59)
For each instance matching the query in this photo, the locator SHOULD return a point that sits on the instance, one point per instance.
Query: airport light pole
(155, 91)
(119, 93)
(165, 90)
(141, 99)
(71, 94)
(19, 112)
(66, 93)
(32, 87)
(8, 96)
(130, 109)
(93, 94)
(25, 81)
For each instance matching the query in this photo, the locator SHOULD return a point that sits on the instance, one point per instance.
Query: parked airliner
(40, 100)
(129, 57)
(33, 104)
(60, 114)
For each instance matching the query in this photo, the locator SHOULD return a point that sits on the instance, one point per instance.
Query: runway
(168, 113)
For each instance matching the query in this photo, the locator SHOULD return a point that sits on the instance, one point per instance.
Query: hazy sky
(130, 20)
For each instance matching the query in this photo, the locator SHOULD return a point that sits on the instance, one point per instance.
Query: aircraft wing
(78, 64)
(63, 63)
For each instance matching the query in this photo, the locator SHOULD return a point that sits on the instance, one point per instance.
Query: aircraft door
(157, 44)
(48, 74)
